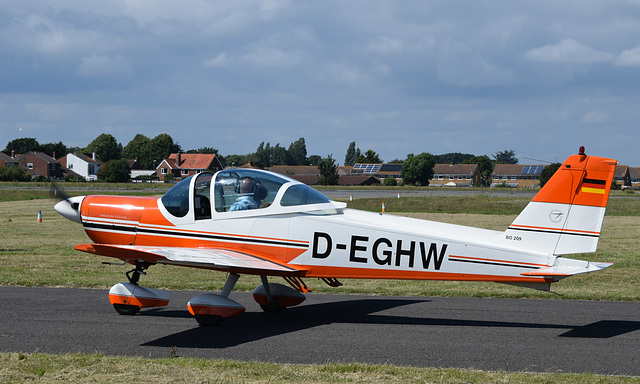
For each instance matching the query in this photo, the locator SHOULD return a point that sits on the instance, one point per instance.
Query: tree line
(149, 153)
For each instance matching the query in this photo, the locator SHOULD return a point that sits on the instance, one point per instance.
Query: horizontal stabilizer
(568, 269)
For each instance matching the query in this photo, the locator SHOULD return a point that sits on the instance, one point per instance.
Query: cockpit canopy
(239, 190)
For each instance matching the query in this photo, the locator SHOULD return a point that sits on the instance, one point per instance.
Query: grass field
(41, 254)
(42, 368)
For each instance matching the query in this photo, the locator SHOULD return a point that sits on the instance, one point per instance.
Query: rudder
(566, 215)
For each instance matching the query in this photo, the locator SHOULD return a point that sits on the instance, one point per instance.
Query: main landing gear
(211, 309)
(208, 309)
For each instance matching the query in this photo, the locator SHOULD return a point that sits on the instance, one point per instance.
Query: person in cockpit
(251, 193)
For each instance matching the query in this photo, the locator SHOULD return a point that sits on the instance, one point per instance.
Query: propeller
(68, 207)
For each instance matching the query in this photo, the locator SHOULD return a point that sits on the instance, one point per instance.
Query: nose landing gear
(128, 298)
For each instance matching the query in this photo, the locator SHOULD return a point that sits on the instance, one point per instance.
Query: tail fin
(566, 215)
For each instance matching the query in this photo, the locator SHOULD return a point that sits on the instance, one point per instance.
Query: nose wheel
(128, 298)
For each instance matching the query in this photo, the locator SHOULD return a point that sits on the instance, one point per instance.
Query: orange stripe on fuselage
(364, 273)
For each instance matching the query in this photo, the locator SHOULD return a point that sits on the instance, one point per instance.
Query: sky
(538, 77)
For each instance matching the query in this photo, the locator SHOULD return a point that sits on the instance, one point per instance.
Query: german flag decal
(593, 186)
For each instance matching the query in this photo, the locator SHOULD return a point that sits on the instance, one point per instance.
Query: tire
(126, 309)
(273, 307)
(209, 320)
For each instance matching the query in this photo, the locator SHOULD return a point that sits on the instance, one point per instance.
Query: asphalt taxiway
(480, 333)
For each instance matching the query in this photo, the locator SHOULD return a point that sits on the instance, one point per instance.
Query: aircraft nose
(70, 208)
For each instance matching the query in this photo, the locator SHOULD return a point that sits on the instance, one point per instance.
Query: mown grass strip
(80, 368)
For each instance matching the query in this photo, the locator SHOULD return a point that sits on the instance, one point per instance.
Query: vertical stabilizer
(566, 215)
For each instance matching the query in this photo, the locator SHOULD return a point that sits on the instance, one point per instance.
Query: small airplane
(255, 222)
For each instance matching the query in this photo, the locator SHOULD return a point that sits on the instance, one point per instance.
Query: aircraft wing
(212, 258)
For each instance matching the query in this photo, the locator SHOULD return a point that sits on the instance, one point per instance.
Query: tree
(328, 171)
(204, 151)
(235, 161)
(14, 174)
(506, 157)
(314, 160)
(485, 167)
(453, 158)
(56, 150)
(298, 152)
(390, 182)
(547, 172)
(157, 149)
(115, 171)
(262, 156)
(23, 145)
(280, 156)
(106, 147)
(134, 149)
(369, 157)
(417, 170)
(352, 154)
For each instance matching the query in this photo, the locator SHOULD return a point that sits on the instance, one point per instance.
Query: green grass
(78, 368)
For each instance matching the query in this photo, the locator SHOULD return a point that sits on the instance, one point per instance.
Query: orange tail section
(566, 215)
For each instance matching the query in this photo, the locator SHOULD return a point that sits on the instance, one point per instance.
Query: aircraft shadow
(253, 326)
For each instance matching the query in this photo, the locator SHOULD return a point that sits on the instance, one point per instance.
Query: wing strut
(297, 284)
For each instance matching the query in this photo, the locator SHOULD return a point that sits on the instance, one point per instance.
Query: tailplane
(566, 215)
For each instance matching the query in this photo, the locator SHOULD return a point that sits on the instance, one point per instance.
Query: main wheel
(126, 309)
(274, 307)
(209, 320)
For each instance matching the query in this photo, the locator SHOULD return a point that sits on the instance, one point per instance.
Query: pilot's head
(246, 185)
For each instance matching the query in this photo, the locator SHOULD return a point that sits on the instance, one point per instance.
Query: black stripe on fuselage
(492, 263)
(206, 236)
(558, 232)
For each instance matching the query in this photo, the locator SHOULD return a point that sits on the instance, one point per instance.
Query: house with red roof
(39, 164)
(183, 165)
(7, 161)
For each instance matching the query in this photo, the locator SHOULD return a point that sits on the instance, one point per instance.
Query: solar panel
(367, 168)
(532, 169)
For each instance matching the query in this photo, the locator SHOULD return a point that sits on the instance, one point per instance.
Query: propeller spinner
(68, 207)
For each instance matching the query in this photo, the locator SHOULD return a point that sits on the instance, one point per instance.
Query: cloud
(629, 58)
(568, 51)
(595, 117)
(467, 116)
(103, 66)
(50, 112)
(386, 45)
(219, 61)
(272, 57)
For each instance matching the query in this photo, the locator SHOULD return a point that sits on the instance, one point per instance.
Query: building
(7, 161)
(379, 171)
(39, 164)
(455, 175)
(182, 165)
(85, 166)
(634, 174)
(622, 176)
(517, 175)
